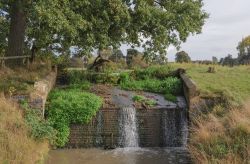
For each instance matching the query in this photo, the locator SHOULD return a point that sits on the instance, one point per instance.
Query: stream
(120, 156)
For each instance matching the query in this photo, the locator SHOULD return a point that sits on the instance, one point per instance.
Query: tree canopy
(182, 57)
(97, 24)
(244, 51)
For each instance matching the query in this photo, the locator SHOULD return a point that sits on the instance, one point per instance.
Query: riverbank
(220, 119)
(16, 144)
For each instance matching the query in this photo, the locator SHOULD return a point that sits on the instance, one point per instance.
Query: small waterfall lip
(128, 130)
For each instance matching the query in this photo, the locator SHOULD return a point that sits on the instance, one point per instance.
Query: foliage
(142, 99)
(169, 85)
(40, 129)
(117, 56)
(159, 72)
(153, 79)
(244, 51)
(221, 134)
(138, 98)
(170, 97)
(215, 60)
(182, 57)
(70, 107)
(53, 25)
(84, 86)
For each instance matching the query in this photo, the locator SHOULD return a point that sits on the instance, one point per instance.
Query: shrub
(170, 85)
(158, 72)
(40, 129)
(70, 107)
(85, 85)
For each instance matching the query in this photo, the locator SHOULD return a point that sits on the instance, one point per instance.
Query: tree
(244, 51)
(215, 60)
(117, 56)
(55, 25)
(3, 31)
(229, 61)
(182, 57)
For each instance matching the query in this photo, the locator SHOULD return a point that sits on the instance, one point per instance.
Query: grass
(221, 134)
(221, 138)
(231, 82)
(142, 99)
(16, 145)
(21, 80)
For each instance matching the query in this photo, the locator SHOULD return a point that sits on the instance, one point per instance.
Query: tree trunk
(17, 33)
(33, 53)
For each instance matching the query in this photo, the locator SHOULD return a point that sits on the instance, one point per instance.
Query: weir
(164, 125)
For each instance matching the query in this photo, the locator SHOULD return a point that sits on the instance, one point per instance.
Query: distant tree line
(243, 54)
(242, 59)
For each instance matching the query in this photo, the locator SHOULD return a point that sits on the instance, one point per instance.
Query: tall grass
(16, 146)
(221, 136)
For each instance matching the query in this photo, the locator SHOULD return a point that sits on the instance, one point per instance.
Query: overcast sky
(228, 23)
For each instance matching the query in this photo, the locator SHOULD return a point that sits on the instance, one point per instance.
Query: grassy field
(233, 82)
(221, 134)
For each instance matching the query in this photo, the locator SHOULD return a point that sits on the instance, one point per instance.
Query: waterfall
(175, 127)
(128, 136)
(99, 129)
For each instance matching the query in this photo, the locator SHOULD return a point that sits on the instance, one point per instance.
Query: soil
(104, 91)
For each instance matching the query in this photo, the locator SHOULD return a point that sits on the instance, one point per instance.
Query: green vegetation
(21, 81)
(232, 83)
(170, 85)
(153, 72)
(89, 24)
(142, 99)
(220, 133)
(182, 57)
(170, 97)
(40, 129)
(155, 79)
(70, 106)
(19, 141)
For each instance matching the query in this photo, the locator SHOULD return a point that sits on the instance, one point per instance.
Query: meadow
(221, 133)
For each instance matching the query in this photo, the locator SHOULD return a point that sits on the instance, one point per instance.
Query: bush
(170, 85)
(40, 129)
(70, 107)
(158, 72)
(85, 85)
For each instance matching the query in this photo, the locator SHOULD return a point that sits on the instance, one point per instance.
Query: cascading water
(99, 129)
(174, 127)
(128, 128)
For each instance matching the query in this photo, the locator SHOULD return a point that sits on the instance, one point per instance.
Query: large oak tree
(89, 24)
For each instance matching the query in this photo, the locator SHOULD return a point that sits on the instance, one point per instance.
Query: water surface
(119, 156)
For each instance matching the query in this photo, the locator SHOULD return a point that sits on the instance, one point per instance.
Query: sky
(228, 23)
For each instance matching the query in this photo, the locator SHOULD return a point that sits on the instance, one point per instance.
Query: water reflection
(120, 156)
